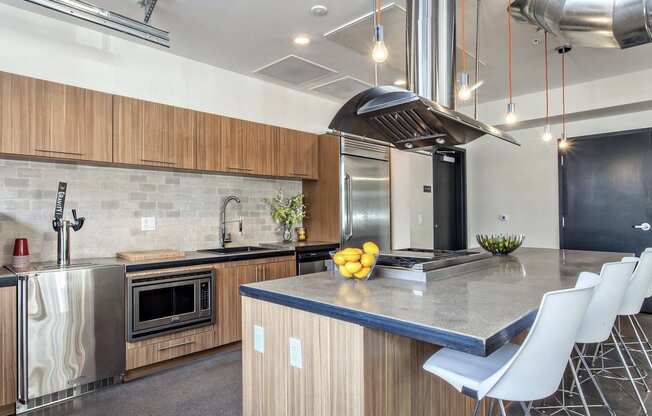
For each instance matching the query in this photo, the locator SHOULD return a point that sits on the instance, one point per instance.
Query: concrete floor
(212, 387)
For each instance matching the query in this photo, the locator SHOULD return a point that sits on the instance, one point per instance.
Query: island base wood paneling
(348, 370)
(7, 351)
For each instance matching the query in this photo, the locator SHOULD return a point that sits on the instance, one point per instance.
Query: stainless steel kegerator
(365, 193)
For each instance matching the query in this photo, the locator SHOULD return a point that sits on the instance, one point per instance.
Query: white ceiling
(246, 35)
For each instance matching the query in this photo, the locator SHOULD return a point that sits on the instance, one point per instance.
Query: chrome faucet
(224, 237)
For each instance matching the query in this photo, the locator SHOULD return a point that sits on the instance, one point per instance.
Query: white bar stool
(598, 322)
(634, 299)
(524, 373)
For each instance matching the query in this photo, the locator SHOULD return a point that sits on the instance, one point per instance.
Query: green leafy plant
(500, 244)
(287, 211)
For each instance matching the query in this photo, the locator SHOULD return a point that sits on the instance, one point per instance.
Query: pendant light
(510, 116)
(563, 142)
(465, 88)
(379, 53)
(547, 133)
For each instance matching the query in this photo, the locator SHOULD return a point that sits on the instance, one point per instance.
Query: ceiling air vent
(342, 88)
(295, 70)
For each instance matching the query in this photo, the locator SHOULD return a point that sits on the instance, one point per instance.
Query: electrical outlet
(148, 223)
(259, 339)
(296, 358)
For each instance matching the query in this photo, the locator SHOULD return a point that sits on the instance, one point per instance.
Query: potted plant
(287, 212)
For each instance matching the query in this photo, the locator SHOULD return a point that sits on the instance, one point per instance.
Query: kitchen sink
(234, 250)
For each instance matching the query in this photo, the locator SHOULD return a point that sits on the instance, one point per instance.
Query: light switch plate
(296, 357)
(148, 223)
(259, 339)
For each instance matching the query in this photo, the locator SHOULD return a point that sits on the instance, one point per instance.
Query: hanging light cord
(509, 47)
(462, 36)
(477, 58)
(563, 95)
(545, 54)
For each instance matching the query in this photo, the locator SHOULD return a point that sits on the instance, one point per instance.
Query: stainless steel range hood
(424, 116)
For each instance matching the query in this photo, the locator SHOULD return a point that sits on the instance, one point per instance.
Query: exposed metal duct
(91, 13)
(593, 23)
(423, 116)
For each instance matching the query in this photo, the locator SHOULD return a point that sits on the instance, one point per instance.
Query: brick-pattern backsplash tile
(113, 200)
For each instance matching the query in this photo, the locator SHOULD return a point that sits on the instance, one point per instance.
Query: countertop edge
(183, 262)
(471, 345)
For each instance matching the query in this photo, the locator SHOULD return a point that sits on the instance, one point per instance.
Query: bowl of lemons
(356, 263)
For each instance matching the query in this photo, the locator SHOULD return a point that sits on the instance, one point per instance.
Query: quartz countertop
(475, 307)
(7, 278)
(191, 258)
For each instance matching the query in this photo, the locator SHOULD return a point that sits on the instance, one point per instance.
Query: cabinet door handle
(182, 344)
(242, 169)
(59, 151)
(158, 161)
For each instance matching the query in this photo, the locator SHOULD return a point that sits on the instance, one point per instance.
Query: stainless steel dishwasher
(71, 333)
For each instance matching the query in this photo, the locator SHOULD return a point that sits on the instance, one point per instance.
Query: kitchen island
(321, 345)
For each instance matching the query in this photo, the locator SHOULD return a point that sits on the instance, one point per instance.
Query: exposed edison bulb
(464, 92)
(510, 117)
(563, 142)
(547, 134)
(379, 53)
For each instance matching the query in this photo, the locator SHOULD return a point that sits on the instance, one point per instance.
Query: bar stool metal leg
(629, 373)
(593, 379)
(640, 342)
(641, 376)
(579, 389)
(476, 409)
(491, 407)
(501, 406)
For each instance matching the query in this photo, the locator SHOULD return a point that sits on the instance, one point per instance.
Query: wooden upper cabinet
(298, 154)
(238, 146)
(152, 134)
(48, 119)
(210, 133)
(249, 147)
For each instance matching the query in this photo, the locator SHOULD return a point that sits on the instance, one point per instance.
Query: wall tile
(186, 207)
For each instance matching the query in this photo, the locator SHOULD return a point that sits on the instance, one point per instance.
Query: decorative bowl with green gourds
(500, 244)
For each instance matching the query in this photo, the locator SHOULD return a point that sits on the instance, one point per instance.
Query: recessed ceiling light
(301, 40)
(319, 10)
(400, 82)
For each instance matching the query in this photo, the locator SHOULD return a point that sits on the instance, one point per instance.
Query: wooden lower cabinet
(228, 319)
(8, 372)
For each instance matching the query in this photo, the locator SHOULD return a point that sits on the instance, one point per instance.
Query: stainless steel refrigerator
(365, 193)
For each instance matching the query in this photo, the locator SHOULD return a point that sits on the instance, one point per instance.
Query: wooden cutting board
(149, 255)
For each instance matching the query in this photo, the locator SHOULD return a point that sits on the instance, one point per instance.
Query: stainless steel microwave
(163, 303)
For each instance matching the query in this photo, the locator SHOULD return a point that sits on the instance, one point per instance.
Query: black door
(605, 191)
(449, 200)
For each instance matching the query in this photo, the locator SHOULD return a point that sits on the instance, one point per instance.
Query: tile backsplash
(113, 200)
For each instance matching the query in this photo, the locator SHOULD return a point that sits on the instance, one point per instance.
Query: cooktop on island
(414, 264)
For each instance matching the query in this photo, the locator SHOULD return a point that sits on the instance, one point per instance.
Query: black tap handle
(79, 221)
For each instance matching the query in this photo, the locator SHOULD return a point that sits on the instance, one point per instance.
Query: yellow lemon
(352, 258)
(340, 253)
(350, 250)
(367, 259)
(362, 273)
(339, 259)
(358, 251)
(371, 248)
(345, 273)
(353, 267)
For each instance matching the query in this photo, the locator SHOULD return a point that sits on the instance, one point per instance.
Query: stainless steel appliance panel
(365, 201)
(72, 330)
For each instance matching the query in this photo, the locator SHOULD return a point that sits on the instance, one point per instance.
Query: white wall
(412, 210)
(44, 47)
(522, 182)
